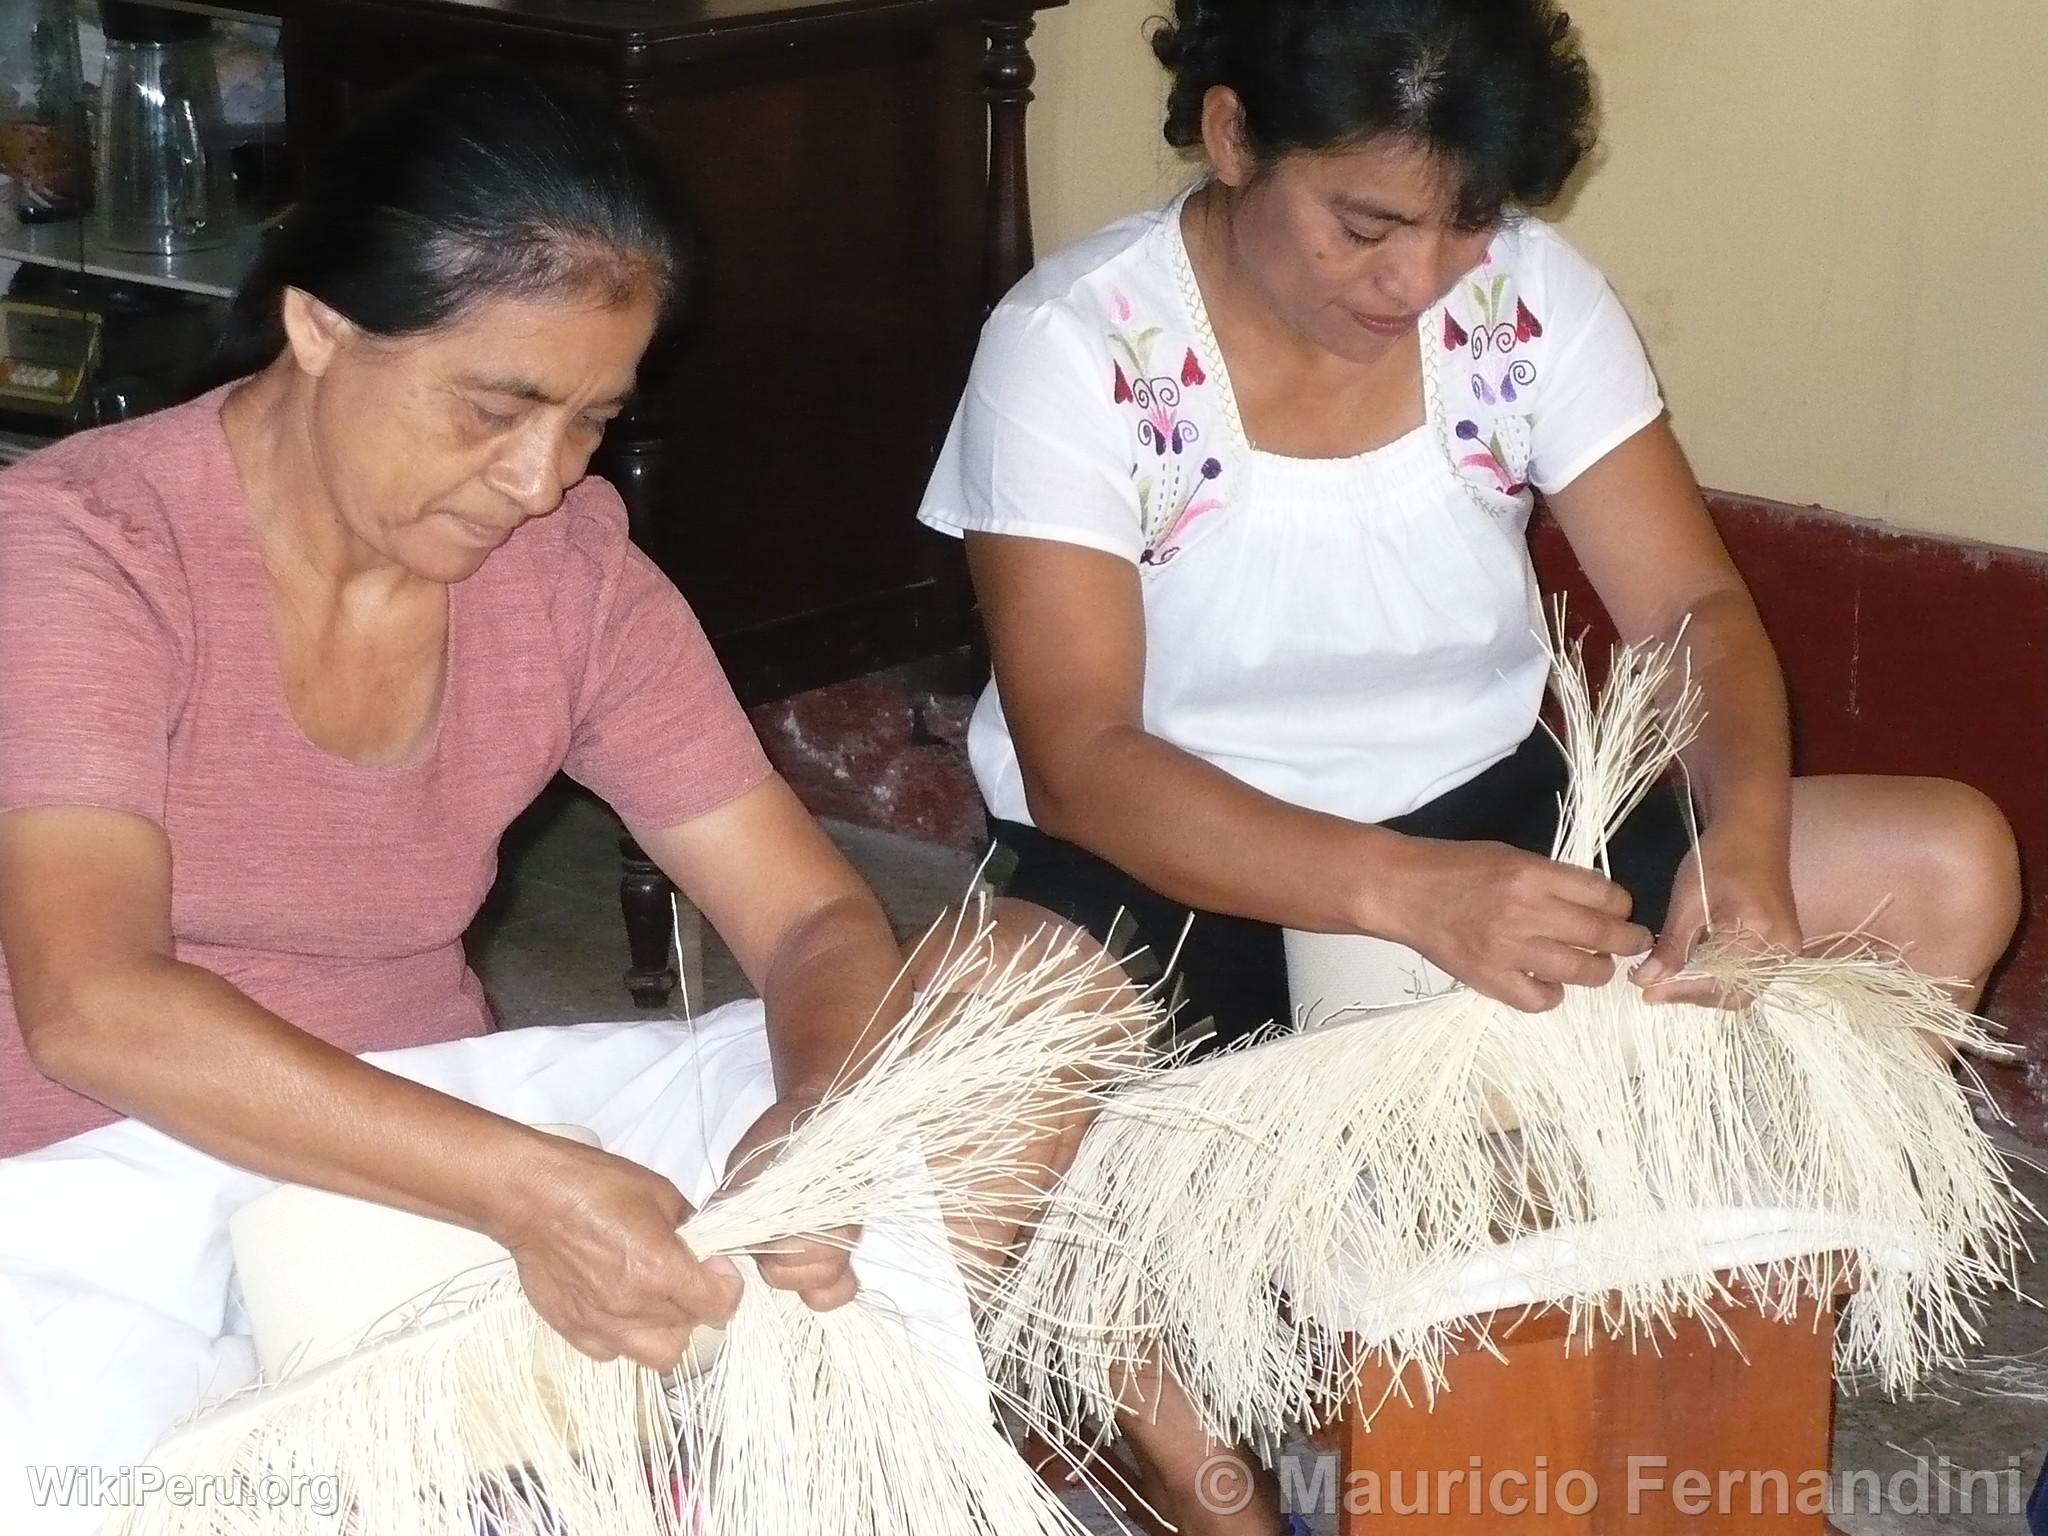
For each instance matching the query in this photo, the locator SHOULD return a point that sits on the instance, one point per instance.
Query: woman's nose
(1427, 268)
(1409, 286)
(531, 476)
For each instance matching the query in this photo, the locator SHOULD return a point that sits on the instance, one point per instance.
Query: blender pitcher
(161, 157)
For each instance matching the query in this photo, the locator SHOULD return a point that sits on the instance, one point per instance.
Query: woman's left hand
(1749, 895)
(818, 1269)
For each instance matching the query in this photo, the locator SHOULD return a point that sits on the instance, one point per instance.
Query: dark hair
(1498, 88)
(465, 184)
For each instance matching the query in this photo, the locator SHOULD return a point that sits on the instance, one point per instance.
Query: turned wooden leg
(1006, 76)
(1007, 73)
(635, 461)
(645, 896)
(663, 930)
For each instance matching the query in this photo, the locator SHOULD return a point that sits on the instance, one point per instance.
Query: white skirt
(117, 1309)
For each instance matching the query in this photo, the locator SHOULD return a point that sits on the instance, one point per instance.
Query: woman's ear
(313, 332)
(1224, 139)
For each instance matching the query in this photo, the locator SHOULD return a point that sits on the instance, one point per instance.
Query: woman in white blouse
(1244, 484)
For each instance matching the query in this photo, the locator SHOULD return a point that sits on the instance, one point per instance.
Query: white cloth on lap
(117, 1317)
(1563, 1266)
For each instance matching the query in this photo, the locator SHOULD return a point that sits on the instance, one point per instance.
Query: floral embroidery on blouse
(1484, 373)
(1175, 478)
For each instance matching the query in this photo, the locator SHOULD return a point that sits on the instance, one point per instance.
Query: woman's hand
(595, 1239)
(1749, 896)
(1513, 925)
(818, 1269)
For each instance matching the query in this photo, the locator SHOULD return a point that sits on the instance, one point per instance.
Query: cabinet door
(830, 327)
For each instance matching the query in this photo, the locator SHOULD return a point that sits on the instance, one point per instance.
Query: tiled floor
(551, 950)
(551, 946)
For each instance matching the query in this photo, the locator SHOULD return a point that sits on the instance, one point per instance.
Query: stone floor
(551, 946)
(551, 950)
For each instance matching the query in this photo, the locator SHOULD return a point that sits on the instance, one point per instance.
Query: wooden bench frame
(1721, 1429)
(1686, 1432)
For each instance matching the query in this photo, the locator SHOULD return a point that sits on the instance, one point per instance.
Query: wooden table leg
(644, 897)
(1678, 1434)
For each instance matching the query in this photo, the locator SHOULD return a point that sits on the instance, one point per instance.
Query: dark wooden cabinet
(855, 171)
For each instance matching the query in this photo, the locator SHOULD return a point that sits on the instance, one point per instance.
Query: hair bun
(1190, 45)
(1194, 31)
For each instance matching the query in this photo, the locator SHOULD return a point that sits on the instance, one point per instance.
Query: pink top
(139, 671)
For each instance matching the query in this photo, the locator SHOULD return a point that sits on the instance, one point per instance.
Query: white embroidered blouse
(1352, 635)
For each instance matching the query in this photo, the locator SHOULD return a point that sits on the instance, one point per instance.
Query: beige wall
(1829, 218)
(1096, 152)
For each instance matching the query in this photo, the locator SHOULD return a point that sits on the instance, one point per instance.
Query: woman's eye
(1357, 237)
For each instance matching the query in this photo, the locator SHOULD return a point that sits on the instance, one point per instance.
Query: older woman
(1244, 483)
(279, 667)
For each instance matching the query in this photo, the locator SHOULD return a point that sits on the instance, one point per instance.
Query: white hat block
(322, 1275)
(1333, 977)
(1338, 978)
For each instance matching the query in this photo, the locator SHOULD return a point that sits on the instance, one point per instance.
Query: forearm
(833, 986)
(181, 1049)
(1198, 836)
(1741, 766)
(1639, 528)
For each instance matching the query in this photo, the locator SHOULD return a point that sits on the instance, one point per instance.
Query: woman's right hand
(1513, 925)
(595, 1239)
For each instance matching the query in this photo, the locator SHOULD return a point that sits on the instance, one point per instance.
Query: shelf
(16, 446)
(215, 273)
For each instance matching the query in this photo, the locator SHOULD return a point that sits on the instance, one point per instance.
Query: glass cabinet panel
(142, 148)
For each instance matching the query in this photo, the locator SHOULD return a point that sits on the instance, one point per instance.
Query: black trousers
(1231, 977)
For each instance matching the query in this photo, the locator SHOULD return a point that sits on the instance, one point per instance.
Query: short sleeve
(1037, 448)
(90, 659)
(1600, 390)
(656, 730)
